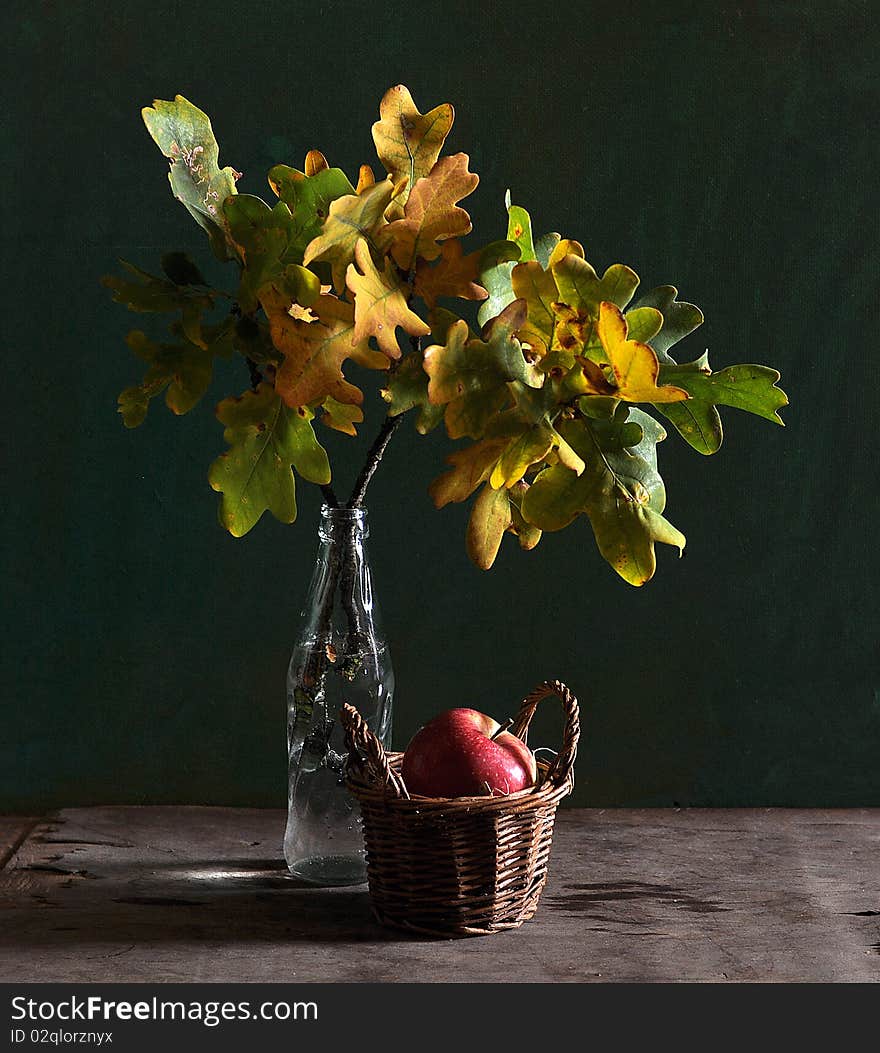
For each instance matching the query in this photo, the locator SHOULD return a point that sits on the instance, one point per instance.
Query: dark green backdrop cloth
(728, 148)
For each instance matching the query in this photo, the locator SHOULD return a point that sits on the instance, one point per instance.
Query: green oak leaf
(266, 440)
(180, 268)
(309, 198)
(519, 231)
(537, 288)
(679, 318)
(643, 324)
(262, 236)
(144, 293)
(619, 490)
(407, 386)
(470, 375)
(184, 135)
(746, 387)
(545, 246)
(496, 265)
(581, 292)
(182, 370)
(350, 218)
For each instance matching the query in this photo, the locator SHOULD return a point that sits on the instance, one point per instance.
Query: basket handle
(561, 771)
(366, 754)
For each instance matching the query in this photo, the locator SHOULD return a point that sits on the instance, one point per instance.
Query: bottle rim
(339, 514)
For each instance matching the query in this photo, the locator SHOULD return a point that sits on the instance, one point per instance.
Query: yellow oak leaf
(340, 417)
(536, 286)
(380, 303)
(431, 214)
(490, 517)
(470, 467)
(454, 274)
(408, 142)
(315, 162)
(581, 291)
(365, 178)
(633, 363)
(350, 218)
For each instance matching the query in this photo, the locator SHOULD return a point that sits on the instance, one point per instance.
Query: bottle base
(330, 870)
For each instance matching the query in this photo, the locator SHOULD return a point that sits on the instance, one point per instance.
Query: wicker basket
(464, 866)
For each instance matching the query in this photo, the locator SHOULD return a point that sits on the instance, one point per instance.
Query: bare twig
(374, 457)
(330, 496)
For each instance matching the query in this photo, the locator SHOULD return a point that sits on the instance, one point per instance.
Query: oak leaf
(619, 490)
(408, 142)
(350, 218)
(470, 467)
(184, 135)
(341, 417)
(750, 388)
(407, 386)
(581, 291)
(634, 364)
(454, 274)
(145, 293)
(497, 261)
(380, 303)
(431, 213)
(536, 286)
(266, 439)
(313, 351)
(489, 519)
(470, 375)
(309, 197)
(183, 370)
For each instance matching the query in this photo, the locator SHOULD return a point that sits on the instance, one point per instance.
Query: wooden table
(201, 894)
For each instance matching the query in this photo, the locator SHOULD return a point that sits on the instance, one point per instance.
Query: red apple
(455, 755)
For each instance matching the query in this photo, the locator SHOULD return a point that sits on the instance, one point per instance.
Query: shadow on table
(245, 900)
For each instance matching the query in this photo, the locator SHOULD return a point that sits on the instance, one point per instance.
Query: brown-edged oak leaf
(313, 351)
(453, 275)
(408, 142)
(431, 214)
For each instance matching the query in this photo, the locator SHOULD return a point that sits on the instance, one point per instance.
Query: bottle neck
(343, 525)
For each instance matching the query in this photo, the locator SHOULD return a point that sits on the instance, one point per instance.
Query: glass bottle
(340, 656)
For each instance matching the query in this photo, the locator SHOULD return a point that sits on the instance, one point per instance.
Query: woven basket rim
(541, 794)
(374, 774)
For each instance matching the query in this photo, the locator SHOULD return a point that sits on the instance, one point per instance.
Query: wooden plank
(13, 831)
(183, 894)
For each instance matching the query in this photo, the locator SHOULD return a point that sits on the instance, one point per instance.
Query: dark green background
(727, 148)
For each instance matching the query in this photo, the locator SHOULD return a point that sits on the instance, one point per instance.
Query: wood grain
(185, 894)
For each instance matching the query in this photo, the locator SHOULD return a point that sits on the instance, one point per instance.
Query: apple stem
(503, 727)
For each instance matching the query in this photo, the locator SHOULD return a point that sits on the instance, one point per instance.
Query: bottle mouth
(337, 523)
(336, 514)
